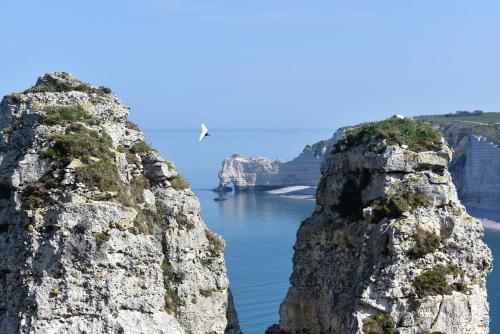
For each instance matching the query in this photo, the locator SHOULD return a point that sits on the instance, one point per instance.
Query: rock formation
(98, 233)
(261, 173)
(389, 248)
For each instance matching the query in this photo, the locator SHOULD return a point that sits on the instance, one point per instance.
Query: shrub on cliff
(425, 242)
(141, 147)
(394, 205)
(65, 115)
(433, 281)
(379, 323)
(179, 183)
(419, 136)
(78, 142)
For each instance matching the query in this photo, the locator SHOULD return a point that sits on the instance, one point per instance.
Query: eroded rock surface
(389, 249)
(98, 233)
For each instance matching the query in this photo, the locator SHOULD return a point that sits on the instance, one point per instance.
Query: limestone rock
(260, 173)
(92, 239)
(389, 243)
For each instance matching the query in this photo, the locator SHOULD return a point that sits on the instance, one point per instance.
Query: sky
(262, 63)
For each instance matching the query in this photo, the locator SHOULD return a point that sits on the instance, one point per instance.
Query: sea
(260, 229)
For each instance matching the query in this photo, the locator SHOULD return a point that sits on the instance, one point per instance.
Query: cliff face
(261, 173)
(98, 233)
(475, 170)
(389, 248)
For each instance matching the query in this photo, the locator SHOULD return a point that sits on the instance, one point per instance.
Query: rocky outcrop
(260, 173)
(248, 173)
(388, 249)
(98, 233)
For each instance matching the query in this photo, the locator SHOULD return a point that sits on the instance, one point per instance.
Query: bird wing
(204, 131)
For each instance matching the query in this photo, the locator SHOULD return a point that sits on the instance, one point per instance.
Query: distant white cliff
(476, 171)
(261, 173)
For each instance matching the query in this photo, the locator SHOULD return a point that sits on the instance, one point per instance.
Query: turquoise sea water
(260, 229)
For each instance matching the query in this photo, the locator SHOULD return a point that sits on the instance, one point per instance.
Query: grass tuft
(66, 115)
(433, 281)
(141, 147)
(179, 183)
(426, 242)
(394, 205)
(419, 136)
(217, 245)
(379, 323)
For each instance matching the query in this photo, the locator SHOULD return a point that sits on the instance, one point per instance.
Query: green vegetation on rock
(62, 87)
(133, 126)
(216, 243)
(78, 142)
(419, 136)
(433, 281)
(171, 297)
(101, 238)
(379, 323)
(101, 174)
(66, 115)
(396, 203)
(141, 147)
(206, 292)
(179, 183)
(425, 242)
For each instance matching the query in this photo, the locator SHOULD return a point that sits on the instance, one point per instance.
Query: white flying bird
(204, 132)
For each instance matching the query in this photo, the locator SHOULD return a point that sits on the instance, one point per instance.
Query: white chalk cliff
(389, 249)
(260, 173)
(475, 172)
(98, 233)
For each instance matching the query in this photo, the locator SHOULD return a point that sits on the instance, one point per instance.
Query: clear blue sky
(262, 63)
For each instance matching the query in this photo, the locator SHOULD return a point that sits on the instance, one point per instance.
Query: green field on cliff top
(456, 127)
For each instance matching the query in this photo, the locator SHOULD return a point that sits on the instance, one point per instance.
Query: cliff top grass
(419, 136)
(455, 128)
(55, 86)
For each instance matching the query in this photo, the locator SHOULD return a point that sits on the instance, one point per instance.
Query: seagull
(204, 132)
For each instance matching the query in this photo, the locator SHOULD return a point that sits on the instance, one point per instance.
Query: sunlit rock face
(476, 172)
(389, 247)
(99, 233)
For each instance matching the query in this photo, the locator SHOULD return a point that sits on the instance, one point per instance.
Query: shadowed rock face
(98, 233)
(389, 247)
